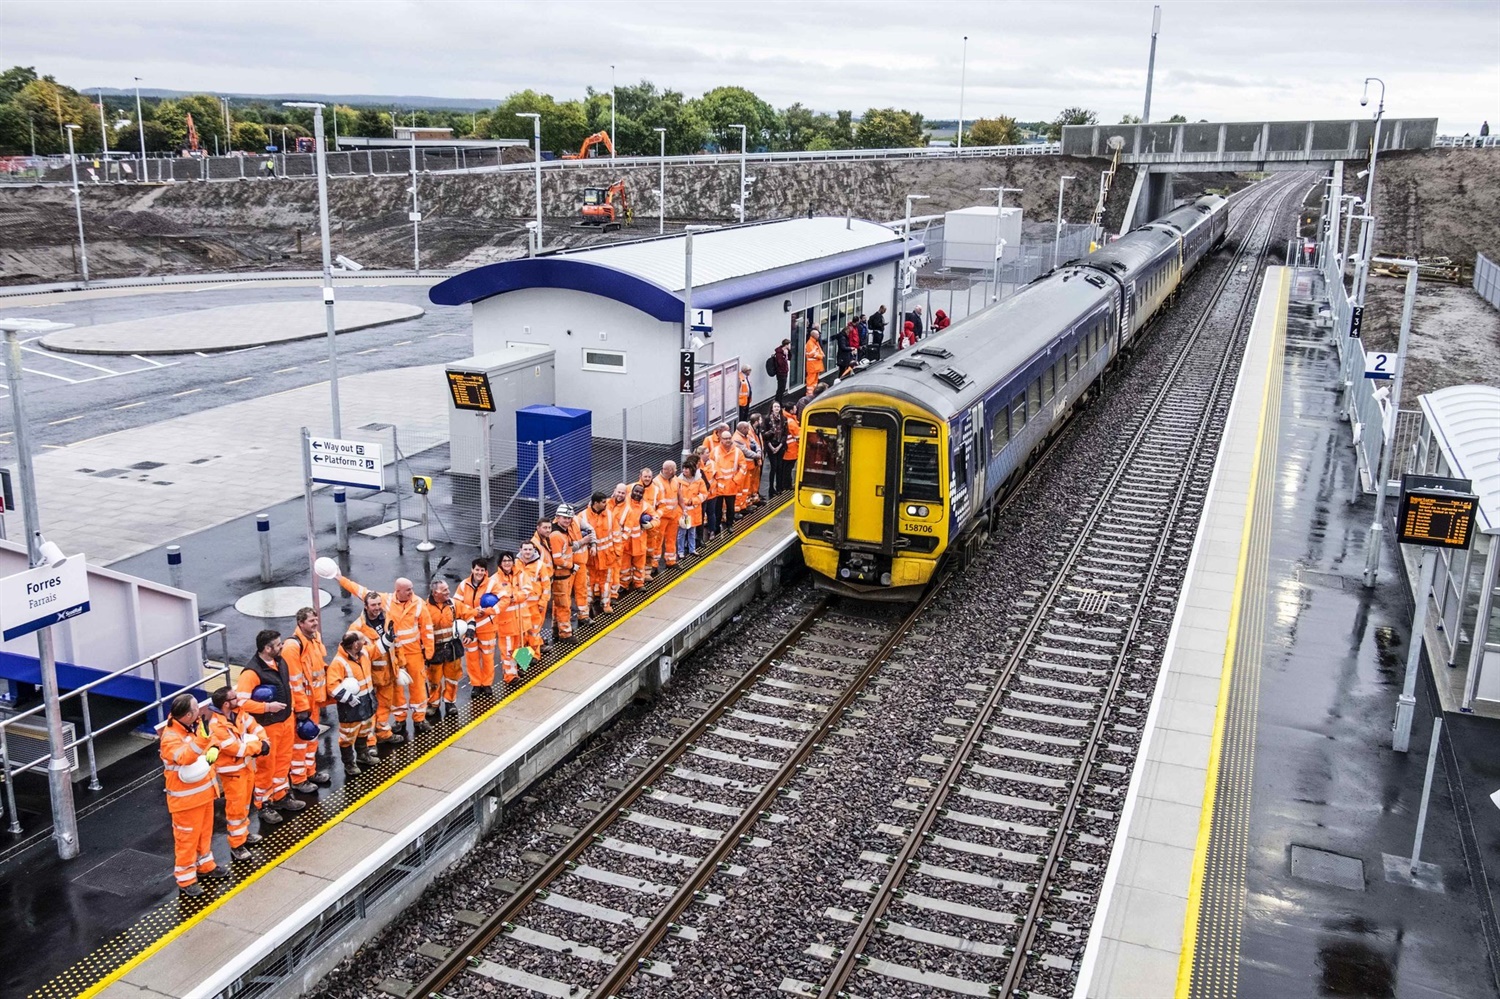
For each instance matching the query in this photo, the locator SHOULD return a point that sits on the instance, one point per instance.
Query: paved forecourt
(1154, 890)
(324, 896)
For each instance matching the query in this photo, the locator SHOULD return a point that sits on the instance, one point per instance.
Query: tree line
(34, 111)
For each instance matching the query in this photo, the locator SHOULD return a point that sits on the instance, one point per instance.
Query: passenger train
(908, 462)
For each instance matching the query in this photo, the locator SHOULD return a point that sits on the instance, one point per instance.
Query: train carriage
(907, 461)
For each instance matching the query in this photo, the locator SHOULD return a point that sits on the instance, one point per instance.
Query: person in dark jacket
(915, 318)
(877, 333)
(783, 368)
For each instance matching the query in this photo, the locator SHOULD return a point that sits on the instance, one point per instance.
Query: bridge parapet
(1247, 144)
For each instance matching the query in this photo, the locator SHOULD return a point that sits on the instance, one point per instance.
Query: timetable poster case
(1436, 512)
(716, 391)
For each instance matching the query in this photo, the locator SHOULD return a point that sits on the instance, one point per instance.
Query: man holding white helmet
(187, 754)
(412, 624)
(352, 688)
(380, 644)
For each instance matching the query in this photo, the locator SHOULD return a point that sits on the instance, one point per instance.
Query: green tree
(1175, 119)
(158, 138)
(723, 107)
(1130, 119)
(1069, 116)
(687, 133)
(49, 106)
(998, 131)
(564, 126)
(250, 136)
(13, 79)
(889, 128)
(372, 123)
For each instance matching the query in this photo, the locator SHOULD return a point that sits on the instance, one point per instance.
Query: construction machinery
(598, 138)
(604, 208)
(193, 149)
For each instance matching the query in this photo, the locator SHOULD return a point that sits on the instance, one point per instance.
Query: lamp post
(963, 74)
(1057, 233)
(687, 331)
(59, 782)
(611, 110)
(661, 187)
(536, 131)
(741, 205)
(103, 135)
(1364, 100)
(1388, 428)
(340, 507)
(1151, 63)
(1352, 207)
(416, 212)
(83, 252)
(905, 247)
(140, 128)
(999, 243)
(228, 131)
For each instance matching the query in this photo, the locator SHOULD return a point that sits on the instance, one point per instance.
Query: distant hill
(351, 100)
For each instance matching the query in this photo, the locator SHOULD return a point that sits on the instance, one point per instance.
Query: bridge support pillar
(1151, 198)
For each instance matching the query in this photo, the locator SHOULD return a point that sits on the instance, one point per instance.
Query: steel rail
(850, 956)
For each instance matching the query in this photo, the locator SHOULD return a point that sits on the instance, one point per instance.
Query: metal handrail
(209, 629)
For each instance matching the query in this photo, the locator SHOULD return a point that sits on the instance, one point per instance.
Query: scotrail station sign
(355, 464)
(36, 598)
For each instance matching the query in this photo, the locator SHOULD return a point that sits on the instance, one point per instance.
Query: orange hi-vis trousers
(238, 789)
(272, 772)
(192, 842)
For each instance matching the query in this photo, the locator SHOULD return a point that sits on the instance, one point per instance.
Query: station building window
(612, 361)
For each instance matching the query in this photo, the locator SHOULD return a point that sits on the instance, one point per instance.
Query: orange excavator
(598, 138)
(193, 149)
(604, 208)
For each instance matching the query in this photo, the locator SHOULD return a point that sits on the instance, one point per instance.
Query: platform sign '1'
(1436, 512)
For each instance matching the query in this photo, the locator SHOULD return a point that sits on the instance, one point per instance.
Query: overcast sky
(1233, 60)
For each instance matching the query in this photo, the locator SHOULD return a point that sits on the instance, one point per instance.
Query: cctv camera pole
(59, 781)
(1151, 62)
(1370, 186)
(312, 530)
(416, 213)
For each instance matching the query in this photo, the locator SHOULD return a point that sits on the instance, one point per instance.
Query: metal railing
(1468, 142)
(339, 275)
(1487, 279)
(962, 293)
(209, 629)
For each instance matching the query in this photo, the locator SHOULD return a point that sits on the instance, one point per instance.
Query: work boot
(362, 756)
(420, 726)
(450, 707)
(322, 778)
(253, 839)
(270, 817)
(241, 853)
(306, 787)
(191, 890)
(217, 874)
(351, 768)
(482, 691)
(396, 739)
(288, 806)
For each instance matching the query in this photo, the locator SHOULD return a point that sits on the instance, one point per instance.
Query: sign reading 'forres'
(1436, 512)
(471, 391)
(36, 598)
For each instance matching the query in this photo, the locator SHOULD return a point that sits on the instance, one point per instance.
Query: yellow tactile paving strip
(1209, 965)
(157, 929)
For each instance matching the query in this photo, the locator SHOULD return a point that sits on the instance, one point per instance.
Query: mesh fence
(961, 293)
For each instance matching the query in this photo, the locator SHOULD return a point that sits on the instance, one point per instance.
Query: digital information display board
(1436, 512)
(471, 391)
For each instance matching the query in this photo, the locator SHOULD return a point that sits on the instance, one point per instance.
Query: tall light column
(59, 781)
(661, 186)
(536, 131)
(1388, 428)
(611, 110)
(340, 506)
(963, 74)
(140, 128)
(103, 135)
(905, 245)
(1000, 193)
(83, 251)
(1151, 63)
(741, 205)
(1364, 100)
(416, 211)
(1057, 233)
(687, 331)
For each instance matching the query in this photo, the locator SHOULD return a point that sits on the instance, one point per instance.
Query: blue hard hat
(307, 730)
(489, 600)
(263, 693)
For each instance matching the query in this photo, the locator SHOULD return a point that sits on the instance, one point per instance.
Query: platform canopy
(731, 266)
(1465, 423)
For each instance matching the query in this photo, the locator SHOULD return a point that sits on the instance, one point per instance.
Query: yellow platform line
(1231, 644)
(312, 837)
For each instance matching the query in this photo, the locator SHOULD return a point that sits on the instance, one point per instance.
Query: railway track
(585, 921)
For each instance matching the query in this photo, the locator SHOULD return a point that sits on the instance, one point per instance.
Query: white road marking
(59, 357)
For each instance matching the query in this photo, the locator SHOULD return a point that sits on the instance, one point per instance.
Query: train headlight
(916, 511)
(821, 499)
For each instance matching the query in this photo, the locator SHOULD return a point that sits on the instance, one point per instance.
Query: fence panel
(1487, 280)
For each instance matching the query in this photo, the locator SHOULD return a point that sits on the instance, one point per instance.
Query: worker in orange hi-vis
(445, 664)
(596, 522)
(240, 740)
(636, 522)
(542, 540)
(412, 622)
(666, 509)
(723, 487)
(380, 642)
(187, 755)
(479, 654)
(561, 546)
(351, 683)
(306, 662)
(512, 590)
(812, 357)
(691, 493)
(267, 686)
(536, 575)
(748, 444)
(653, 541)
(565, 522)
(616, 507)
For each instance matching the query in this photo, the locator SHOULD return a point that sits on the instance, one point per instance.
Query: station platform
(1264, 843)
(110, 923)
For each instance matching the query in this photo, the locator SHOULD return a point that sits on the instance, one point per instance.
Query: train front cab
(870, 507)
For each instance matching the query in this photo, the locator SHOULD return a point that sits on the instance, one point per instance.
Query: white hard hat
(326, 567)
(194, 771)
(563, 510)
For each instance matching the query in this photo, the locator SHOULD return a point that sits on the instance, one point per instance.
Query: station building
(613, 315)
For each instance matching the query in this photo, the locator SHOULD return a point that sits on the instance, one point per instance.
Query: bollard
(263, 531)
(174, 564)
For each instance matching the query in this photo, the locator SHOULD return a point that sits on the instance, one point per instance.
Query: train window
(1018, 413)
(920, 428)
(1074, 362)
(1049, 387)
(999, 429)
(1034, 398)
(919, 471)
(820, 450)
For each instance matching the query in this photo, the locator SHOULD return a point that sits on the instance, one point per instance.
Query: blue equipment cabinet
(568, 443)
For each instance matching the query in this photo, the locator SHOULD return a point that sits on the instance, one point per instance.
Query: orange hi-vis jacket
(616, 510)
(663, 498)
(691, 494)
(812, 355)
(239, 740)
(744, 389)
(567, 548)
(412, 620)
(630, 520)
(534, 585)
(728, 466)
(443, 617)
(512, 591)
(603, 526)
(360, 669)
(381, 672)
(181, 746)
(466, 597)
(305, 660)
(793, 438)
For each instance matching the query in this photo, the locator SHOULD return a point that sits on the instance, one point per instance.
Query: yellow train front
(870, 491)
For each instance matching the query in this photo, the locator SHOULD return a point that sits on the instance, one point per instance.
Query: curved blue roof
(574, 274)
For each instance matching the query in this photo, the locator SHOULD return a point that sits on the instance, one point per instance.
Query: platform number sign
(687, 367)
(703, 320)
(1380, 366)
(1356, 320)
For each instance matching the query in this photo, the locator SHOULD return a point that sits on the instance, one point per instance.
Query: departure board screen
(1434, 516)
(471, 391)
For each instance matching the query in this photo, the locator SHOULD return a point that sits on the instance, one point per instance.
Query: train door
(866, 508)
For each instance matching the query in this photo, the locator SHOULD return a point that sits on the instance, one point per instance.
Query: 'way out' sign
(346, 463)
(36, 598)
